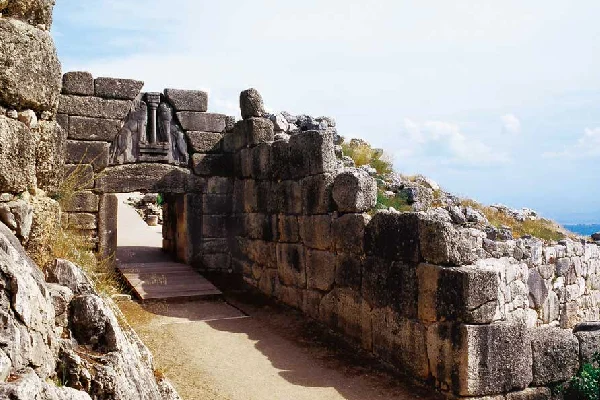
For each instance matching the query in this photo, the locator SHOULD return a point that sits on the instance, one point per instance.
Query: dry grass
(76, 246)
(363, 154)
(540, 228)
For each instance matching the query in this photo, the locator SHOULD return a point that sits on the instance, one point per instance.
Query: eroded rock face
(31, 76)
(44, 330)
(251, 104)
(17, 154)
(34, 12)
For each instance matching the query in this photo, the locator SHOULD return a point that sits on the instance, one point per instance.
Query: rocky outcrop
(71, 335)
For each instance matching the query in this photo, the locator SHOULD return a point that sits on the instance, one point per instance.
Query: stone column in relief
(153, 100)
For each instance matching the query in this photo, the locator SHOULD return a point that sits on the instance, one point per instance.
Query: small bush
(586, 384)
(363, 154)
(398, 202)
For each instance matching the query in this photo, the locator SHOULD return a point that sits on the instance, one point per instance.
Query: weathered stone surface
(555, 355)
(354, 191)
(320, 269)
(393, 236)
(159, 178)
(291, 264)
(348, 271)
(315, 231)
(541, 393)
(463, 294)
(34, 12)
(286, 197)
(288, 228)
(280, 156)
(85, 128)
(187, 100)
(30, 76)
(82, 202)
(311, 153)
(27, 386)
(29, 118)
(91, 325)
(5, 366)
(217, 204)
(107, 226)
(442, 243)
(50, 156)
(316, 194)
(67, 274)
(46, 222)
(538, 292)
(212, 164)
(61, 297)
(78, 82)
(204, 122)
(205, 142)
(93, 107)
(94, 153)
(258, 130)
(219, 185)
(251, 104)
(479, 360)
(17, 156)
(18, 216)
(123, 89)
(349, 233)
(82, 221)
(589, 344)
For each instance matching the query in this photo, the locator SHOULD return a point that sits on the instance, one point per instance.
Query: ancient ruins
(469, 315)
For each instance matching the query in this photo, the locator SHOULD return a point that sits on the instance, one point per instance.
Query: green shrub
(586, 384)
(399, 201)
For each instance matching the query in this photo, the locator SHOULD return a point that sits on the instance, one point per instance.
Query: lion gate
(469, 314)
(121, 140)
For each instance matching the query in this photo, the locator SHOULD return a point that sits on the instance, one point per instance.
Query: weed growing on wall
(586, 384)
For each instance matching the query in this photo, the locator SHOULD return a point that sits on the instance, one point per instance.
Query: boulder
(67, 274)
(251, 104)
(78, 82)
(354, 191)
(34, 12)
(30, 77)
(28, 386)
(112, 88)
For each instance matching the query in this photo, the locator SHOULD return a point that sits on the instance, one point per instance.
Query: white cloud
(444, 143)
(587, 146)
(511, 124)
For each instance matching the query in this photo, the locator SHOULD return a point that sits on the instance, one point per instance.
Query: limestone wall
(439, 300)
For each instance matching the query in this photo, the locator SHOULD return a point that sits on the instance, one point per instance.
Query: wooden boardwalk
(166, 281)
(149, 271)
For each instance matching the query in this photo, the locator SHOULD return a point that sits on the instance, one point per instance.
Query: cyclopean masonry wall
(424, 291)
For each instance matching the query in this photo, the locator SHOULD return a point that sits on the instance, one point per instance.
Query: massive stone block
(82, 202)
(78, 82)
(354, 191)
(555, 355)
(589, 343)
(251, 104)
(212, 164)
(316, 194)
(480, 360)
(315, 231)
(205, 122)
(159, 178)
(215, 226)
(348, 271)
(205, 142)
(312, 153)
(280, 160)
(320, 269)
(85, 128)
(342, 308)
(50, 156)
(286, 197)
(187, 100)
(30, 74)
(260, 166)
(288, 228)
(291, 264)
(94, 153)
(349, 233)
(464, 294)
(82, 221)
(17, 156)
(393, 236)
(112, 88)
(94, 107)
(530, 394)
(217, 204)
(258, 130)
(442, 243)
(259, 226)
(400, 341)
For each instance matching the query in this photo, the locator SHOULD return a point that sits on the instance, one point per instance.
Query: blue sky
(495, 100)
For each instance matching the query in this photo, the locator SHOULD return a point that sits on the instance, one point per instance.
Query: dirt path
(243, 350)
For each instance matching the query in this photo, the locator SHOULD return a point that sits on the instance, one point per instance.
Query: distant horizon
(495, 101)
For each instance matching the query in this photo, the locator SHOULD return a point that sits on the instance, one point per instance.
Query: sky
(495, 100)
